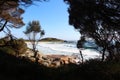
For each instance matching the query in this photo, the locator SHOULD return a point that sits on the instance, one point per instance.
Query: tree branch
(3, 26)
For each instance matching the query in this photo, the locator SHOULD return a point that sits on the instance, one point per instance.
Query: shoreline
(55, 48)
(53, 60)
(62, 53)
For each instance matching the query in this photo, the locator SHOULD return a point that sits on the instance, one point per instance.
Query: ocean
(66, 48)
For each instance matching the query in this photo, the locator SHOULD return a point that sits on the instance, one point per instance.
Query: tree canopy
(98, 19)
(32, 30)
(11, 11)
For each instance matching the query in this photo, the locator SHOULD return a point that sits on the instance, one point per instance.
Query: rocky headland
(49, 39)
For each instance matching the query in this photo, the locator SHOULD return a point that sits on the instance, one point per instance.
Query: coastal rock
(56, 60)
(65, 60)
(46, 63)
(32, 59)
(50, 60)
(29, 53)
(55, 64)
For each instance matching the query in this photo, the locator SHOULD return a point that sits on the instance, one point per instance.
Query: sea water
(65, 48)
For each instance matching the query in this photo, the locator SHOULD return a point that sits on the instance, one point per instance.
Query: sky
(53, 17)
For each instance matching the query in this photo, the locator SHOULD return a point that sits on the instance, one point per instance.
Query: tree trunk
(111, 52)
(81, 55)
(103, 53)
(34, 49)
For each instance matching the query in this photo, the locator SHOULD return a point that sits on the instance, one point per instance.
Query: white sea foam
(64, 49)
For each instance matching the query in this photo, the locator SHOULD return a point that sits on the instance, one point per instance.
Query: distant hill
(52, 40)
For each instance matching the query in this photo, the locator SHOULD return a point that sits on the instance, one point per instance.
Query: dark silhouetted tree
(97, 19)
(34, 34)
(80, 44)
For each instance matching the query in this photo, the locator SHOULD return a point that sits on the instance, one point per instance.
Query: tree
(32, 30)
(80, 45)
(11, 18)
(11, 11)
(97, 19)
(10, 14)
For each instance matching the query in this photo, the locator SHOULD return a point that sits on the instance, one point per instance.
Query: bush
(15, 47)
(7, 50)
(19, 46)
(2, 42)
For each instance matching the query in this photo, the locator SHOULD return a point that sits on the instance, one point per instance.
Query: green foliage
(32, 30)
(18, 45)
(15, 47)
(7, 50)
(33, 26)
(52, 40)
(2, 42)
(10, 12)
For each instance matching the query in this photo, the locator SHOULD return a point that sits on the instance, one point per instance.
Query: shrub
(16, 46)
(7, 50)
(19, 46)
(2, 42)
